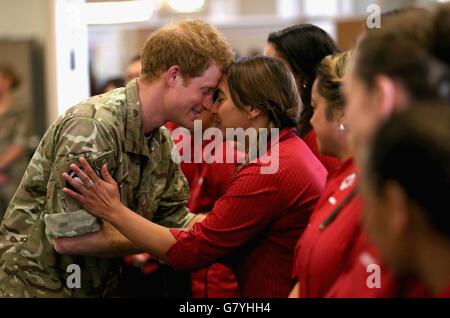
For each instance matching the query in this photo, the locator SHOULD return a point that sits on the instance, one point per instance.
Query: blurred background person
(112, 84)
(133, 69)
(405, 61)
(302, 47)
(14, 136)
(406, 186)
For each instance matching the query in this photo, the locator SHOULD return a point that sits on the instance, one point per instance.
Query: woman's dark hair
(9, 72)
(412, 49)
(268, 84)
(303, 47)
(412, 148)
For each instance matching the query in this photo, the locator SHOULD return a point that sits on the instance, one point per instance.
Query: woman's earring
(341, 127)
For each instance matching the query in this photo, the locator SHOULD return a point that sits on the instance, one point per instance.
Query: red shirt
(445, 293)
(321, 253)
(357, 281)
(256, 224)
(207, 183)
(330, 163)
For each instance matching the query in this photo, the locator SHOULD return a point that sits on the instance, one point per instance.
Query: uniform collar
(134, 131)
(346, 167)
(287, 133)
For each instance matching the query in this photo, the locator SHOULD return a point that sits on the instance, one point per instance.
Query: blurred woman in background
(302, 47)
(406, 187)
(406, 60)
(14, 134)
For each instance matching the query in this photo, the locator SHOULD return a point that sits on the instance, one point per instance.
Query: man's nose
(214, 108)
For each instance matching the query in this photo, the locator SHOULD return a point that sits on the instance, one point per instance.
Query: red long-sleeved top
(330, 163)
(445, 293)
(255, 225)
(207, 183)
(327, 243)
(353, 282)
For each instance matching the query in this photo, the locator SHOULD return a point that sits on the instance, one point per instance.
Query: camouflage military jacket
(104, 129)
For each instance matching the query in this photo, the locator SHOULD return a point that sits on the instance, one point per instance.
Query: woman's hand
(97, 196)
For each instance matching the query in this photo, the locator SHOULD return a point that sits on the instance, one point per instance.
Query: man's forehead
(213, 75)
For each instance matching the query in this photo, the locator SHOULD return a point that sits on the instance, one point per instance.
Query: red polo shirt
(445, 293)
(256, 224)
(327, 243)
(207, 183)
(358, 279)
(330, 163)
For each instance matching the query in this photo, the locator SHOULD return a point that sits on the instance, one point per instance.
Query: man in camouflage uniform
(44, 231)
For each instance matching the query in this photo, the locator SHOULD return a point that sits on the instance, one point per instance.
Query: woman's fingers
(106, 176)
(73, 194)
(80, 173)
(89, 171)
(78, 186)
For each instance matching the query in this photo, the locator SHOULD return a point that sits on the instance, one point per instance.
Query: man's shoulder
(96, 118)
(109, 108)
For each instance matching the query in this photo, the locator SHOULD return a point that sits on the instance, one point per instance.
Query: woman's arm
(149, 236)
(251, 204)
(108, 242)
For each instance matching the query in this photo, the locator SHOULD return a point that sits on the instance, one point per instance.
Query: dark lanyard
(338, 209)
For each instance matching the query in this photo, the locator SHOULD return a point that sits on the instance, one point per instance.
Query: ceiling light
(186, 5)
(119, 12)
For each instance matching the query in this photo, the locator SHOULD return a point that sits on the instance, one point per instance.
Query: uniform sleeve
(238, 217)
(78, 136)
(172, 211)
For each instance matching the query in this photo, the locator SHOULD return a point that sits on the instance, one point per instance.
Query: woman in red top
(255, 225)
(302, 47)
(327, 242)
(407, 208)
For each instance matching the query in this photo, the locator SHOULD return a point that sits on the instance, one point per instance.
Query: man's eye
(207, 92)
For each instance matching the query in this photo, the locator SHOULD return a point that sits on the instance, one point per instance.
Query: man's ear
(386, 95)
(172, 75)
(253, 112)
(398, 203)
